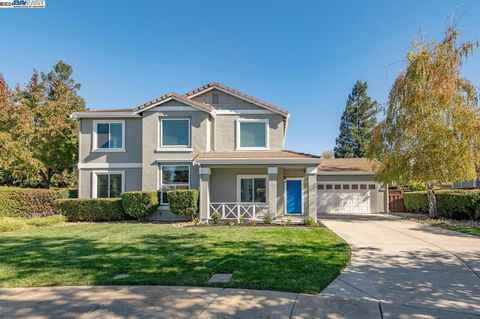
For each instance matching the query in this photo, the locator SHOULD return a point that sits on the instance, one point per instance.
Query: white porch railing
(236, 211)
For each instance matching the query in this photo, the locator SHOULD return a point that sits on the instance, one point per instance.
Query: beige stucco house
(225, 143)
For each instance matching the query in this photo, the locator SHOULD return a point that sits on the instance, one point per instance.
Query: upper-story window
(215, 98)
(175, 132)
(109, 136)
(252, 134)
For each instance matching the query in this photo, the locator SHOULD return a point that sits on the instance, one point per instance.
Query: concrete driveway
(413, 270)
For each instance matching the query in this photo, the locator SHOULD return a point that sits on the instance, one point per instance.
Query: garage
(347, 186)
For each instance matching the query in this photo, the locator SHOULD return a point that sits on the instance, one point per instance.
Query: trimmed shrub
(91, 209)
(11, 224)
(216, 217)
(46, 221)
(140, 204)
(183, 202)
(28, 202)
(454, 204)
(416, 202)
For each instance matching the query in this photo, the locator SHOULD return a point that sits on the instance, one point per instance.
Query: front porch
(250, 192)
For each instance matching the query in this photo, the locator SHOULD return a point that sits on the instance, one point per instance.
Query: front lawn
(298, 259)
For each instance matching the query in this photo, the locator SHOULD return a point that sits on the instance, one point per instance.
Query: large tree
(36, 127)
(357, 123)
(431, 128)
(16, 128)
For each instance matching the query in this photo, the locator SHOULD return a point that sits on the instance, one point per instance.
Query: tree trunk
(47, 178)
(432, 202)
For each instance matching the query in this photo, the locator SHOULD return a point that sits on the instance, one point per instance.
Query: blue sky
(302, 55)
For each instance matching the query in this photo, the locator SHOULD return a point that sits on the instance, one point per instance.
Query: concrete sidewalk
(174, 302)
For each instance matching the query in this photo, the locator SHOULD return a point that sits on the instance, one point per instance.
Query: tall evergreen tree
(357, 123)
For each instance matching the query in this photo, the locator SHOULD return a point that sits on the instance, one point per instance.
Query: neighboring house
(225, 143)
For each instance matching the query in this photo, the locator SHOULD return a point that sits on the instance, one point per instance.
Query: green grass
(472, 230)
(298, 259)
(8, 224)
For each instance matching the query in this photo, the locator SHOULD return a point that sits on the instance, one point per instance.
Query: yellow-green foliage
(46, 221)
(460, 204)
(18, 223)
(29, 202)
(431, 131)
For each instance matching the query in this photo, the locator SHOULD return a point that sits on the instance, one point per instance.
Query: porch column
(312, 192)
(204, 193)
(272, 191)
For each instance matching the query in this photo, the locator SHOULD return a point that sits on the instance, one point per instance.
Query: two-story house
(225, 143)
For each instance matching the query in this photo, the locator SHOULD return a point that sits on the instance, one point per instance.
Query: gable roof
(172, 96)
(346, 165)
(241, 95)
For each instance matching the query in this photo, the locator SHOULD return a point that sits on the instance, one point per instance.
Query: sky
(304, 56)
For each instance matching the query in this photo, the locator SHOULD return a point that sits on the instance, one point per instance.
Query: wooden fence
(395, 201)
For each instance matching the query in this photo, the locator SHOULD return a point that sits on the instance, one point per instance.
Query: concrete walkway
(412, 270)
(173, 302)
(399, 269)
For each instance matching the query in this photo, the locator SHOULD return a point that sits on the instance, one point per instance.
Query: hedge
(455, 204)
(183, 202)
(29, 202)
(91, 209)
(140, 204)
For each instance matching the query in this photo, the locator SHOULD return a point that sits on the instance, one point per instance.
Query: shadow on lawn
(165, 259)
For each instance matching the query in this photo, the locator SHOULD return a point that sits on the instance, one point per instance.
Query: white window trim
(162, 147)
(237, 133)
(160, 182)
(95, 176)
(239, 196)
(95, 147)
(285, 195)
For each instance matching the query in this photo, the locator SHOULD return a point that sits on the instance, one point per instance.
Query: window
(337, 186)
(108, 135)
(108, 184)
(173, 177)
(175, 132)
(354, 186)
(363, 186)
(215, 98)
(252, 134)
(346, 186)
(328, 186)
(253, 190)
(371, 186)
(320, 186)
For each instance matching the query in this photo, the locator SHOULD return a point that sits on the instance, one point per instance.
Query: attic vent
(215, 98)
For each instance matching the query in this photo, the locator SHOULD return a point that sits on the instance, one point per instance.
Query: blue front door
(294, 196)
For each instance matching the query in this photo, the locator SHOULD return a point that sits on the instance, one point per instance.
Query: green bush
(268, 218)
(216, 217)
(310, 221)
(46, 221)
(140, 204)
(183, 202)
(454, 204)
(416, 202)
(11, 224)
(28, 202)
(91, 209)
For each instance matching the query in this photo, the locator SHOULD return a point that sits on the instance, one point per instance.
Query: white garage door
(334, 198)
